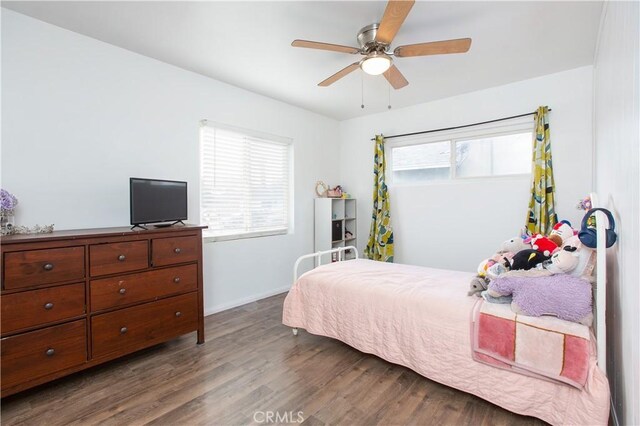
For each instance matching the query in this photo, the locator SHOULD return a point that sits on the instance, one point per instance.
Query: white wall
(617, 181)
(80, 117)
(455, 225)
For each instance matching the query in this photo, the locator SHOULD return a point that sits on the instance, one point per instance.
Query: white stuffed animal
(564, 230)
(586, 258)
(562, 261)
(514, 245)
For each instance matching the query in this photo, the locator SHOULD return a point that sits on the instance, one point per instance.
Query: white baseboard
(245, 300)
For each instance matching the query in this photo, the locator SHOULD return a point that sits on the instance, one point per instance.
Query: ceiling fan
(375, 41)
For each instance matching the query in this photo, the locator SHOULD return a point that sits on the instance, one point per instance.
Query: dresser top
(73, 234)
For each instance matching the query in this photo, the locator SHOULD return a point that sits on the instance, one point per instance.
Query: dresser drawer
(38, 353)
(35, 307)
(35, 267)
(123, 290)
(118, 257)
(130, 329)
(168, 251)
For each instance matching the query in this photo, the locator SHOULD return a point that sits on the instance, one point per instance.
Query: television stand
(166, 225)
(159, 225)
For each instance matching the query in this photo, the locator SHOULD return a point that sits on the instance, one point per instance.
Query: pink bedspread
(420, 318)
(504, 339)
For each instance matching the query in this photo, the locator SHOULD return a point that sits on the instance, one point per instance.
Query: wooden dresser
(74, 299)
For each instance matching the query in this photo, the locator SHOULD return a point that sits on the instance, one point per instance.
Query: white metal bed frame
(600, 288)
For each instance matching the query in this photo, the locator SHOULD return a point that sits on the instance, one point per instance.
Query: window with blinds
(244, 182)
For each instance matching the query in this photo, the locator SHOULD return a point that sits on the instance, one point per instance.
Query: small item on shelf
(346, 195)
(37, 229)
(321, 188)
(348, 235)
(8, 203)
(335, 192)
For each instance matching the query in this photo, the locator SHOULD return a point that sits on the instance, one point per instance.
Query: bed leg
(294, 331)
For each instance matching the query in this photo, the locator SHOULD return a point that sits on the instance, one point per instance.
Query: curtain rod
(458, 127)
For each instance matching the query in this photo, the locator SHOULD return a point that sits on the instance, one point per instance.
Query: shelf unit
(334, 219)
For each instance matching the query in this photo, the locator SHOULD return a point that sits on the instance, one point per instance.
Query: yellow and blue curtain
(542, 214)
(380, 245)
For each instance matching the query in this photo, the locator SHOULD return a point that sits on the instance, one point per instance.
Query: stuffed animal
(562, 261)
(561, 295)
(478, 285)
(543, 244)
(483, 266)
(527, 259)
(561, 232)
(514, 245)
(489, 269)
(501, 258)
(586, 258)
(557, 239)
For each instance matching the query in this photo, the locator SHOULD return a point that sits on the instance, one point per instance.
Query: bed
(420, 318)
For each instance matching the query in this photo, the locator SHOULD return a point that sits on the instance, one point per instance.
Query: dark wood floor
(250, 365)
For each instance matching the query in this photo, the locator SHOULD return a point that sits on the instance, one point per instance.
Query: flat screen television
(157, 201)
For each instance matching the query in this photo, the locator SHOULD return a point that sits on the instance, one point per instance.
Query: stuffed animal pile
(527, 270)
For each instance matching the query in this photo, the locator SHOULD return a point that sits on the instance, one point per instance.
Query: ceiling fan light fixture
(376, 63)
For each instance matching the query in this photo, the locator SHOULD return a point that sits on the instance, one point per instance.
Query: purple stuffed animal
(562, 295)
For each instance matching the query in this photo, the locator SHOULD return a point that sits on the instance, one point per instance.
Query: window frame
(520, 125)
(288, 142)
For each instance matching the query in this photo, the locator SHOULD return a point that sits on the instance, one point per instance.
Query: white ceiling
(247, 44)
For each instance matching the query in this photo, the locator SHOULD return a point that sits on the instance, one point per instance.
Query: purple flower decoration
(8, 202)
(584, 204)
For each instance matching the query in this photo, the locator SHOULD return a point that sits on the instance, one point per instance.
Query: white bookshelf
(337, 214)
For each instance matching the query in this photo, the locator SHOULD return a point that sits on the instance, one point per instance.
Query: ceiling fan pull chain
(389, 91)
(362, 90)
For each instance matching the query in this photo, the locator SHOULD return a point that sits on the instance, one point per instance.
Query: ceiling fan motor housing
(367, 39)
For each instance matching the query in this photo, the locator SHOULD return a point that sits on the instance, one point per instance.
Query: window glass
(421, 163)
(474, 157)
(494, 156)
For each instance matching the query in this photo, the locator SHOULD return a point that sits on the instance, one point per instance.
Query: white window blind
(244, 183)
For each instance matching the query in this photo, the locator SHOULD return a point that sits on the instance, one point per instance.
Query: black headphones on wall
(588, 236)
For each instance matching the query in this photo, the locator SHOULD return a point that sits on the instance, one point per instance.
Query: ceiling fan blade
(337, 76)
(395, 78)
(324, 46)
(460, 45)
(394, 15)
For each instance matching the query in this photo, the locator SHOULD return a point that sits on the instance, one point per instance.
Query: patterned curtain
(380, 245)
(542, 215)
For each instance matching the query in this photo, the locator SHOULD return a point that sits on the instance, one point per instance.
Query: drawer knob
(178, 314)
(122, 258)
(50, 352)
(123, 330)
(176, 280)
(48, 266)
(177, 250)
(122, 291)
(48, 306)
